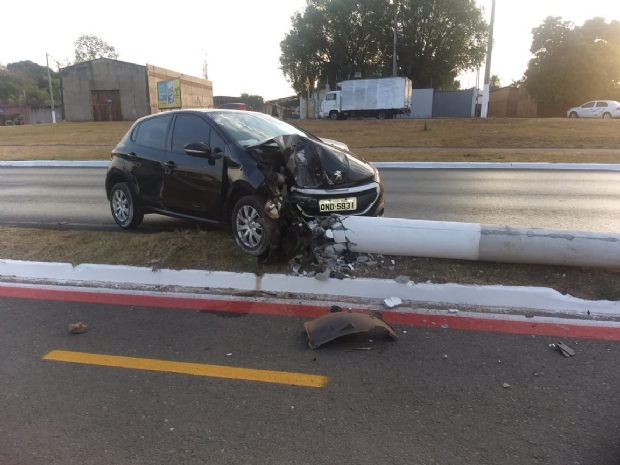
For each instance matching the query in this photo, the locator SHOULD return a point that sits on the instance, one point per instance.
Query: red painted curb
(561, 329)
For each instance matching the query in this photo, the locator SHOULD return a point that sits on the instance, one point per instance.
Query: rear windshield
(251, 128)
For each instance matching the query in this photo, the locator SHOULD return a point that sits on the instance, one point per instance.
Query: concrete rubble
(328, 255)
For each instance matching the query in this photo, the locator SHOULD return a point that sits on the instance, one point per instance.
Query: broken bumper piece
(335, 325)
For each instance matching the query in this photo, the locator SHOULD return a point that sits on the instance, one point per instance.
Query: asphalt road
(398, 403)
(588, 201)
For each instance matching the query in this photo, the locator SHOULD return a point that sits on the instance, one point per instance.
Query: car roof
(198, 111)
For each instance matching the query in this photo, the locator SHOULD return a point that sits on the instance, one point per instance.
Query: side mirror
(198, 149)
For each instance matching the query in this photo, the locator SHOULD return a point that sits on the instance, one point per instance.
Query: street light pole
(394, 52)
(49, 79)
(487, 71)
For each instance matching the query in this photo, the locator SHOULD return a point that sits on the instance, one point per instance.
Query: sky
(240, 39)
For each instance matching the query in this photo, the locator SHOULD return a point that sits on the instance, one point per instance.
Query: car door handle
(132, 156)
(170, 164)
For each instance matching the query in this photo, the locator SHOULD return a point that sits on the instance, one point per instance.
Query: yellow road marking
(196, 369)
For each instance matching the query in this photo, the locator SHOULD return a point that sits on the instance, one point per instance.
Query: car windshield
(251, 128)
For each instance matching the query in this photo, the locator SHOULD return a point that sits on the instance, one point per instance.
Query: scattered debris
(445, 356)
(229, 354)
(362, 348)
(392, 302)
(444, 326)
(402, 279)
(336, 309)
(393, 262)
(63, 222)
(453, 310)
(566, 351)
(78, 328)
(334, 325)
(322, 276)
(506, 385)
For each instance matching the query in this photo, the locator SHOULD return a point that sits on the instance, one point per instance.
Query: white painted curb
(457, 165)
(56, 164)
(380, 165)
(536, 298)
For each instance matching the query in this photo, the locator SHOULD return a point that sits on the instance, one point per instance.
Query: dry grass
(29, 152)
(458, 133)
(214, 249)
(466, 133)
(64, 133)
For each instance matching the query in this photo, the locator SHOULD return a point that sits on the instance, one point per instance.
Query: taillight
(618, 109)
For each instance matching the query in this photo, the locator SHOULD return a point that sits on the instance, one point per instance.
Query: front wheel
(333, 115)
(123, 205)
(247, 226)
(606, 115)
(574, 115)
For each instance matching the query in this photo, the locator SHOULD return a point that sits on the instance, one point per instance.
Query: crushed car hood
(314, 164)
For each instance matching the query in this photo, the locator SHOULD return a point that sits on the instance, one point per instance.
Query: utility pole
(395, 22)
(49, 78)
(487, 71)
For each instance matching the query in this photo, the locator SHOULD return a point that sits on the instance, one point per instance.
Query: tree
(574, 64)
(29, 78)
(255, 101)
(494, 82)
(89, 47)
(439, 39)
(331, 40)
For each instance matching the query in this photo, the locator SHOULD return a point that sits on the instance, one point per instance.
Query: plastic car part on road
(335, 325)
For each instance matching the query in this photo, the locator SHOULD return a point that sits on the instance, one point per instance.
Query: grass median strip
(214, 249)
(194, 369)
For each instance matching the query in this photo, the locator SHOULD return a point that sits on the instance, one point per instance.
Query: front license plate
(338, 205)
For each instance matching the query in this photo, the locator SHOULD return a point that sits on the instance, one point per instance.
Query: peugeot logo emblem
(338, 175)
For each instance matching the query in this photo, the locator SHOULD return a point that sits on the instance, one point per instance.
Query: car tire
(606, 115)
(124, 206)
(333, 115)
(247, 231)
(382, 114)
(573, 115)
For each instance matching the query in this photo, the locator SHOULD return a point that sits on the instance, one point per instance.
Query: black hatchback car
(268, 179)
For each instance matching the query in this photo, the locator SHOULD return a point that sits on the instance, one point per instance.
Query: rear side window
(601, 104)
(187, 129)
(152, 132)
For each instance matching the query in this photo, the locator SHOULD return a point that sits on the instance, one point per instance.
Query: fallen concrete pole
(467, 241)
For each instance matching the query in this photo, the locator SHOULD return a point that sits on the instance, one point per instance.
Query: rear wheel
(333, 115)
(123, 204)
(606, 115)
(574, 114)
(382, 114)
(247, 226)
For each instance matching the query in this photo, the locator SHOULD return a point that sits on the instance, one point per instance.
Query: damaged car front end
(306, 180)
(270, 180)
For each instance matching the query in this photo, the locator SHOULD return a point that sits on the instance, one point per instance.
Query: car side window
(217, 143)
(152, 132)
(601, 104)
(187, 129)
(588, 105)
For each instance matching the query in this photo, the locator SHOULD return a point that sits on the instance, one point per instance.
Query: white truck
(382, 98)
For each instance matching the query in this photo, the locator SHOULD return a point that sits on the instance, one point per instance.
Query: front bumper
(370, 199)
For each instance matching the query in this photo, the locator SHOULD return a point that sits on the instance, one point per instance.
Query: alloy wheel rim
(120, 205)
(249, 230)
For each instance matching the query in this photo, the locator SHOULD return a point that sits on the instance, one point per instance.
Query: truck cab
(330, 105)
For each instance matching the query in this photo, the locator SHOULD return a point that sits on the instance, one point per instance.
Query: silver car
(606, 109)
